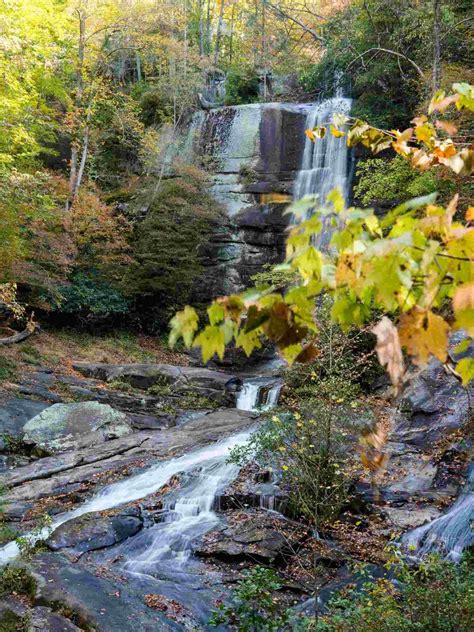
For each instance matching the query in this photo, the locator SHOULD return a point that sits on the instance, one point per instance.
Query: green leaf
(212, 341)
(336, 198)
(183, 325)
(465, 368)
(248, 341)
(216, 313)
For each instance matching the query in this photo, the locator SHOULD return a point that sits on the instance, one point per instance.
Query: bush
(16, 579)
(91, 297)
(242, 86)
(167, 245)
(382, 180)
(7, 369)
(254, 606)
(437, 596)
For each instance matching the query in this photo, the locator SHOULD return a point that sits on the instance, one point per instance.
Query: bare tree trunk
(74, 167)
(231, 42)
(208, 28)
(201, 28)
(220, 24)
(436, 44)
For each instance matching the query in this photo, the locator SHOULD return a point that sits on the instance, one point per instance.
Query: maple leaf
(183, 325)
(424, 333)
(337, 133)
(388, 349)
(465, 368)
(211, 340)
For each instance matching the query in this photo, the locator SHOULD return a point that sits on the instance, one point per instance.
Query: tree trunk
(219, 33)
(436, 45)
(74, 168)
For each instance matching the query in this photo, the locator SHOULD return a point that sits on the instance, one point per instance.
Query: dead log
(31, 328)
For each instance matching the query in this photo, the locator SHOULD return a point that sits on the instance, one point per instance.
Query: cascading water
(450, 534)
(325, 164)
(259, 394)
(149, 481)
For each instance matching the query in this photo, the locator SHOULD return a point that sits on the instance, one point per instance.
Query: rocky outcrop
(254, 152)
(218, 386)
(254, 536)
(64, 427)
(64, 480)
(434, 405)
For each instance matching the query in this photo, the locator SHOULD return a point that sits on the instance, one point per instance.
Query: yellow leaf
(465, 368)
(470, 214)
(425, 133)
(423, 333)
(463, 305)
(388, 349)
(337, 133)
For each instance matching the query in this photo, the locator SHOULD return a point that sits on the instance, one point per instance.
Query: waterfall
(451, 533)
(259, 394)
(325, 164)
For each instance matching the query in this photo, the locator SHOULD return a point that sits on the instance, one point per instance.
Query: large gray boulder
(72, 426)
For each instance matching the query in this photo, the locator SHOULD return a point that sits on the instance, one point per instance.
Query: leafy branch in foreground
(415, 266)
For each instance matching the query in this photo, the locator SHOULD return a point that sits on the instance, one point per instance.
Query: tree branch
(31, 328)
(390, 52)
(305, 28)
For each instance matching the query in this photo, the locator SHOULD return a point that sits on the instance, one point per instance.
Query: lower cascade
(259, 394)
(450, 534)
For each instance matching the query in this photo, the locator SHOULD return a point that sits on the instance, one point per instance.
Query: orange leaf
(424, 333)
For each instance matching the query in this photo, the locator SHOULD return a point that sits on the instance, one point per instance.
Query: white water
(450, 534)
(141, 485)
(325, 164)
(258, 394)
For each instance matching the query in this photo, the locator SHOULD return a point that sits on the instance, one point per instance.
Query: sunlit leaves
(388, 349)
(315, 133)
(465, 368)
(184, 325)
(211, 341)
(424, 333)
(463, 305)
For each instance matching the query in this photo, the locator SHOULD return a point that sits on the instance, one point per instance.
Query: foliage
(166, 244)
(7, 369)
(438, 596)
(33, 541)
(242, 86)
(308, 449)
(254, 606)
(90, 296)
(388, 180)
(17, 580)
(409, 264)
(384, 53)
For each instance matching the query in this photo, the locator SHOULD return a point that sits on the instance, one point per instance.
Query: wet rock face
(64, 427)
(252, 152)
(434, 405)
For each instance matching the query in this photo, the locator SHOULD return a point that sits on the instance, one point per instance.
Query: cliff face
(254, 153)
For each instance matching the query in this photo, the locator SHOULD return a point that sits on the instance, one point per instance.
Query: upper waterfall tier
(257, 156)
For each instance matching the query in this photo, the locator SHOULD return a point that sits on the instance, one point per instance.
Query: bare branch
(305, 28)
(390, 52)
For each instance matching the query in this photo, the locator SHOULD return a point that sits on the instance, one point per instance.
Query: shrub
(242, 86)
(89, 295)
(16, 579)
(167, 244)
(388, 180)
(437, 596)
(254, 606)
(7, 369)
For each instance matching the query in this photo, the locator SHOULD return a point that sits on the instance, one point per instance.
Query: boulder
(95, 531)
(434, 405)
(73, 426)
(254, 536)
